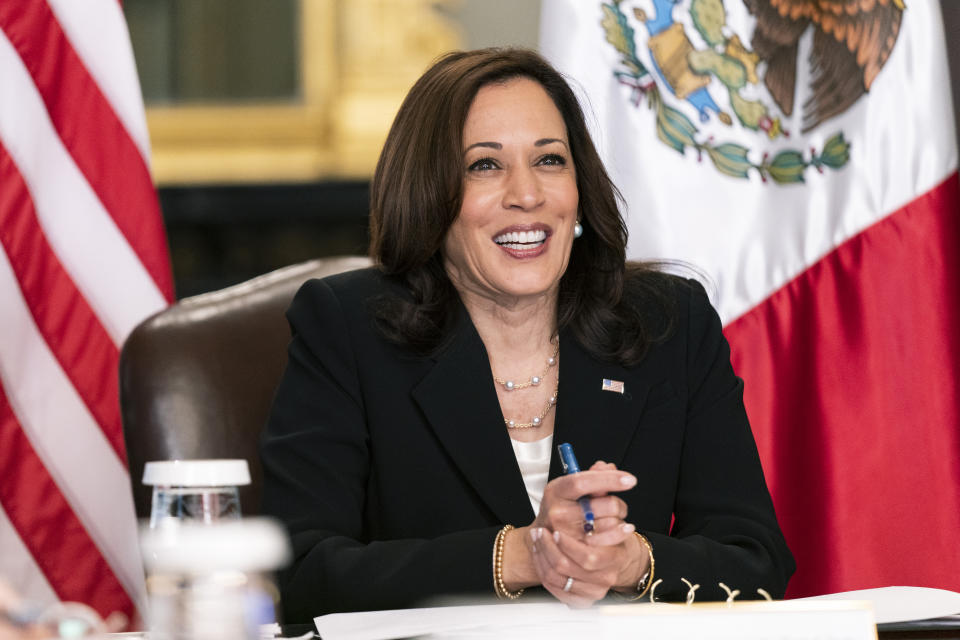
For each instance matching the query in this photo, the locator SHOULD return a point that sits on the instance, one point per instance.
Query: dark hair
(417, 192)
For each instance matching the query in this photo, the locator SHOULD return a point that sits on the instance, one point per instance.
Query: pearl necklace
(534, 381)
(510, 385)
(537, 420)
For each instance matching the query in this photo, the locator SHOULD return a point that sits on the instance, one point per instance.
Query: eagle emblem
(696, 65)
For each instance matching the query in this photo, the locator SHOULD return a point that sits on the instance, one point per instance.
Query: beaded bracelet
(499, 588)
(647, 579)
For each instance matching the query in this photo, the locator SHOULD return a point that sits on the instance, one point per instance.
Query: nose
(522, 189)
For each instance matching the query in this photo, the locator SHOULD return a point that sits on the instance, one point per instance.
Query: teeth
(521, 237)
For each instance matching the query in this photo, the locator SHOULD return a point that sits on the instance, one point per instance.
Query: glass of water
(213, 582)
(201, 491)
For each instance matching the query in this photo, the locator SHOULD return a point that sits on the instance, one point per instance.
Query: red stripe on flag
(51, 531)
(91, 131)
(65, 320)
(851, 377)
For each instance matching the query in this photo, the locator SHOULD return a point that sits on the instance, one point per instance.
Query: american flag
(83, 259)
(612, 385)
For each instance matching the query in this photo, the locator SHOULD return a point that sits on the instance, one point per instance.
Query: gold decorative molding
(358, 60)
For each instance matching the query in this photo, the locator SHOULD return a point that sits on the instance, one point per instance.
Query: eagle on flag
(852, 40)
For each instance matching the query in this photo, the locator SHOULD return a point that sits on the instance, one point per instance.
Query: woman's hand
(560, 511)
(560, 550)
(596, 565)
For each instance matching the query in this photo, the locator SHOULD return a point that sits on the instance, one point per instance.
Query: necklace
(537, 420)
(510, 385)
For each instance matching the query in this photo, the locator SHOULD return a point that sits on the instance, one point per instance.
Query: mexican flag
(801, 155)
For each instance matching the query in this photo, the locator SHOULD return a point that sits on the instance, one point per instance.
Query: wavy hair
(417, 192)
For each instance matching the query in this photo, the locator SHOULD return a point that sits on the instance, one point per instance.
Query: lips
(520, 240)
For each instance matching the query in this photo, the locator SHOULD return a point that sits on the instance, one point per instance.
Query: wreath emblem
(850, 46)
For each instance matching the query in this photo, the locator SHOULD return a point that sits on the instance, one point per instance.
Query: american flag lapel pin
(612, 385)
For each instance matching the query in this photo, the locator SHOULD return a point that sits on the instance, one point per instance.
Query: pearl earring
(577, 230)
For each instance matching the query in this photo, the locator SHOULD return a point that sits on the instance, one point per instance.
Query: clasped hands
(554, 551)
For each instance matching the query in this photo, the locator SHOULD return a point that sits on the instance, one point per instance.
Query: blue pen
(569, 462)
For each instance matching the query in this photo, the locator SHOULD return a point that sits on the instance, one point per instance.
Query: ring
(568, 585)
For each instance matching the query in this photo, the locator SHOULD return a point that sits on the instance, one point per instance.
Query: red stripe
(53, 534)
(851, 374)
(91, 131)
(65, 320)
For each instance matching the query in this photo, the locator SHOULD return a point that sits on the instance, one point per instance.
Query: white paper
(554, 621)
(901, 604)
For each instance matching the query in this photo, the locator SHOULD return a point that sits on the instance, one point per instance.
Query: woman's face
(513, 236)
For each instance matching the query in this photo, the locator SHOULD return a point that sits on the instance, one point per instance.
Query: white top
(196, 473)
(534, 461)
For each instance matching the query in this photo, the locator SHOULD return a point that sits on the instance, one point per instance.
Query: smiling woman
(514, 233)
(416, 422)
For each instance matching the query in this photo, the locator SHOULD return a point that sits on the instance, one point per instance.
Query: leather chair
(197, 379)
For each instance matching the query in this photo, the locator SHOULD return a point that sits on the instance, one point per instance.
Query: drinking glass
(204, 491)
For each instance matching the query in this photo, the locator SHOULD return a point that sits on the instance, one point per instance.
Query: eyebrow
(496, 145)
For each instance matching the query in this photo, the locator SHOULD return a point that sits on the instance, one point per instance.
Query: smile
(522, 239)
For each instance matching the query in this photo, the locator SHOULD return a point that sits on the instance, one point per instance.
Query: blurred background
(266, 118)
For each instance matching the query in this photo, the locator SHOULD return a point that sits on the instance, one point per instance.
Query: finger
(608, 507)
(600, 465)
(610, 536)
(595, 566)
(569, 516)
(580, 593)
(606, 524)
(563, 515)
(559, 566)
(605, 512)
(551, 579)
(598, 568)
(591, 483)
(577, 557)
(571, 598)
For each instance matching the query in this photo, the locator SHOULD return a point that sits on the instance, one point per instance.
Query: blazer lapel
(599, 424)
(460, 403)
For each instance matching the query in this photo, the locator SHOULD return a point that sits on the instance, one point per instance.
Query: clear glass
(221, 605)
(207, 505)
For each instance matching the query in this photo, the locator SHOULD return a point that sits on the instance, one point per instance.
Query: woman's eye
(483, 164)
(553, 159)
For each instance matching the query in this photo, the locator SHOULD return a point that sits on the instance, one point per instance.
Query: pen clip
(567, 459)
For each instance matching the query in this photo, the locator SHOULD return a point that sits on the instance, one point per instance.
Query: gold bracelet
(643, 585)
(498, 587)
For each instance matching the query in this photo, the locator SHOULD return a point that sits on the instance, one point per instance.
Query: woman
(411, 449)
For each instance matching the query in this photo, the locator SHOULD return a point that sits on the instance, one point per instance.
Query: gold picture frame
(358, 58)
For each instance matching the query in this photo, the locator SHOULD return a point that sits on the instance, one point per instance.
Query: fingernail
(533, 535)
(628, 481)
(556, 537)
(627, 528)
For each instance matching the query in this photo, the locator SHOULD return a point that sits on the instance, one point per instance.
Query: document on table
(850, 615)
(901, 604)
(554, 621)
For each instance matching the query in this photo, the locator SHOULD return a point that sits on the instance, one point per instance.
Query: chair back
(197, 379)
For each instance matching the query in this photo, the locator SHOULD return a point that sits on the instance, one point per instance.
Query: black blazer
(394, 472)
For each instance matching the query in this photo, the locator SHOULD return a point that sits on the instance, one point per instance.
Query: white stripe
(752, 238)
(87, 241)
(18, 568)
(98, 32)
(66, 438)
